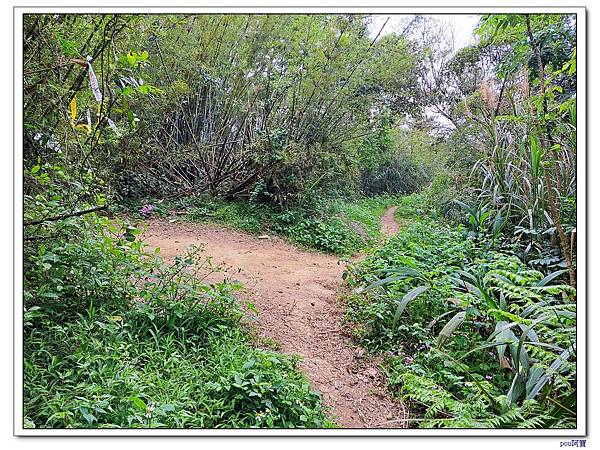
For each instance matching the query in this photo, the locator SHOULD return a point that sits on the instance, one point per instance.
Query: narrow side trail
(295, 293)
(389, 226)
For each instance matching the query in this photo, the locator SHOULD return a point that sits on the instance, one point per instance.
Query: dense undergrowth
(473, 337)
(341, 227)
(114, 337)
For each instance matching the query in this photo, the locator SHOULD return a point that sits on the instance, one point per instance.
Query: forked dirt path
(296, 293)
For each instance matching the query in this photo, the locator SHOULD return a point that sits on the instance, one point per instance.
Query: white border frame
(582, 354)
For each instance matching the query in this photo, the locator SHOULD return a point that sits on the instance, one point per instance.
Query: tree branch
(66, 216)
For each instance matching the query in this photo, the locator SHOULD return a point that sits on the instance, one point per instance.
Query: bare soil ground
(296, 295)
(389, 226)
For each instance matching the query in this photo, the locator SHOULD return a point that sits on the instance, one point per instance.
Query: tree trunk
(552, 200)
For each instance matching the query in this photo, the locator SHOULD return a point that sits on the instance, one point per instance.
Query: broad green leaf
(549, 278)
(405, 300)
(449, 328)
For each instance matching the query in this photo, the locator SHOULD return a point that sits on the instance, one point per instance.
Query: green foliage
(113, 337)
(330, 236)
(243, 216)
(444, 409)
(500, 162)
(481, 222)
(279, 124)
(341, 227)
(528, 167)
(335, 226)
(474, 338)
(268, 106)
(398, 160)
(555, 34)
(176, 366)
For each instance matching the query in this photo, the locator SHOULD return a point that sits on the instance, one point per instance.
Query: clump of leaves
(113, 337)
(474, 338)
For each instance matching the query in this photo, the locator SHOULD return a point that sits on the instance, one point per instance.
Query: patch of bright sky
(462, 24)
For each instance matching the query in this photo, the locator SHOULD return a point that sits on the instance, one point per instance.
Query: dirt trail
(295, 293)
(389, 226)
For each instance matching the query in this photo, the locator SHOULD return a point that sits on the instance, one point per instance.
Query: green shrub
(113, 337)
(176, 366)
(473, 337)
